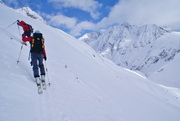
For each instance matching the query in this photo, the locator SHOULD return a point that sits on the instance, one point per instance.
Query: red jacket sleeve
(44, 52)
(24, 25)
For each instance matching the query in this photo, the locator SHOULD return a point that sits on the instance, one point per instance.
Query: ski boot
(38, 82)
(43, 82)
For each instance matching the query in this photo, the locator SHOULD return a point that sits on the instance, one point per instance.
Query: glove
(45, 58)
(31, 63)
(17, 22)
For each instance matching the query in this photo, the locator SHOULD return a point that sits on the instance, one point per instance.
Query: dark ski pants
(37, 63)
(27, 33)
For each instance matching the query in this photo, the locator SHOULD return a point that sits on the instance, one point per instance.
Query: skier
(26, 27)
(38, 53)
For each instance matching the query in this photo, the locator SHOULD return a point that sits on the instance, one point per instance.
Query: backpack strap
(42, 42)
(32, 42)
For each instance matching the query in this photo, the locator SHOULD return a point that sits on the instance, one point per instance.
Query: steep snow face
(168, 74)
(30, 13)
(146, 48)
(84, 85)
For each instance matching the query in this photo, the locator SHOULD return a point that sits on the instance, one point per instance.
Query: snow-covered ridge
(146, 48)
(30, 13)
(116, 35)
(1, 2)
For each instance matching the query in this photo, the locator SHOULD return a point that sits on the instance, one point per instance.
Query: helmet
(37, 31)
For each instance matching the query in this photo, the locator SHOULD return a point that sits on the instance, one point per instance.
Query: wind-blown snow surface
(84, 86)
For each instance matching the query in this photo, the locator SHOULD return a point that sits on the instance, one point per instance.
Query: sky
(77, 17)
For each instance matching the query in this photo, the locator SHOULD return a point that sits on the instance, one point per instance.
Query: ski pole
(47, 74)
(10, 25)
(29, 55)
(19, 30)
(19, 54)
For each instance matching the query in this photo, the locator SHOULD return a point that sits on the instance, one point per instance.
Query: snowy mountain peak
(125, 25)
(120, 33)
(1, 2)
(30, 13)
(142, 48)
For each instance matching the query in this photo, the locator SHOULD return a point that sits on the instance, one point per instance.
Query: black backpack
(30, 28)
(37, 43)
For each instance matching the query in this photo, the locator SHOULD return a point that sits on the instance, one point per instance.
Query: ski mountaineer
(38, 53)
(26, 27)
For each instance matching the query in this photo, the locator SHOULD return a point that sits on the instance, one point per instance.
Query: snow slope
(168, 74)
(84, 85)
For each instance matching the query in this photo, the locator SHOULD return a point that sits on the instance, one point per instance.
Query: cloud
(78, 28)
(61, 20)
(138, 12)
(69, 23)
(90, 6)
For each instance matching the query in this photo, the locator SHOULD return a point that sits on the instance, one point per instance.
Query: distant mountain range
(144, 48)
